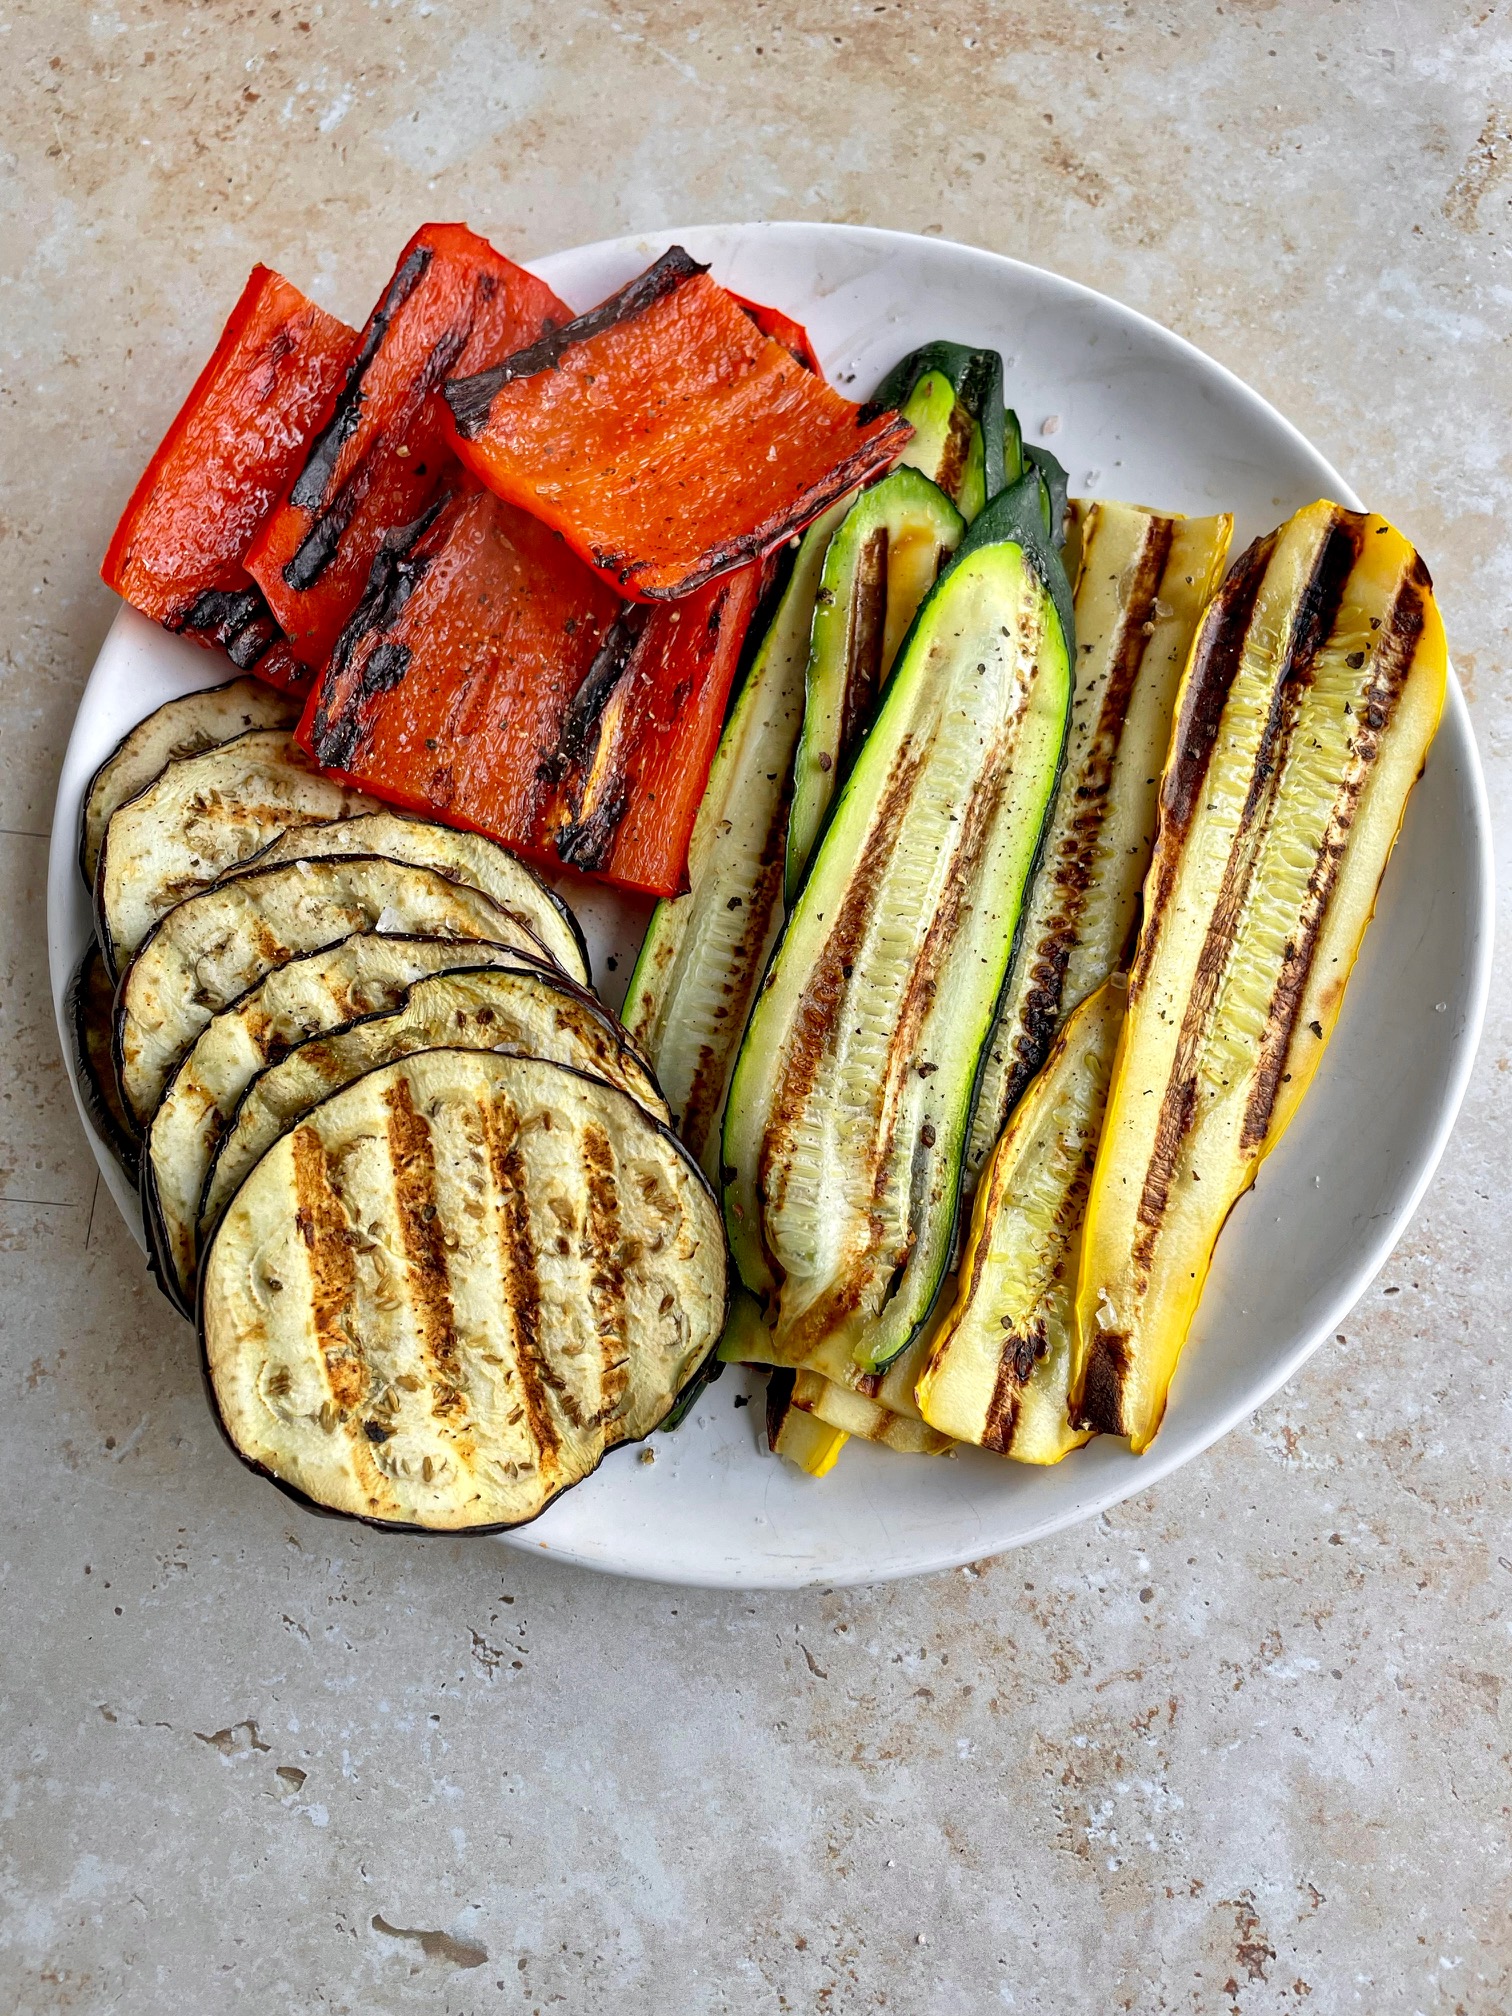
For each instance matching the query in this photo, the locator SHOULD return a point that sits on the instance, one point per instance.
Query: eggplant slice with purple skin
(90, 1006)
(440, 1299)
(178, 728)
(465, 857)
(209, 949)
(199, 817)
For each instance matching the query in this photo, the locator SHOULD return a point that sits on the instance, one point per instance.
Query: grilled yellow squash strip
(842, 1407)
(1306, 711)
(998, 1371)
(796, 1435)
(1141, 583)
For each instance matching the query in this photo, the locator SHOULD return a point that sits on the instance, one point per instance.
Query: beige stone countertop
(1241, 1745)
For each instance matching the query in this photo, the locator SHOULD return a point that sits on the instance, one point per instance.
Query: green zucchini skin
(704, 953)
(953, 397)
(880, 565)
(1057, 492)
(849, 1109)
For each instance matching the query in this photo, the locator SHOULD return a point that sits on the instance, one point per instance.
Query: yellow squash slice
(1142, 581)
(998, 1371)
(1313, 692)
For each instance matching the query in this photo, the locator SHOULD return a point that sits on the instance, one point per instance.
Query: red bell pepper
(384, 454)
(178, 552)
(782, 329)
(665, 436)
(490, 679)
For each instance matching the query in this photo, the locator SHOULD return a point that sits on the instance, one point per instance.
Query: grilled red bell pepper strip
(178, 552)
(492, 680)
(626, 807)
(782, 329)
(383, 453)
(664, 435)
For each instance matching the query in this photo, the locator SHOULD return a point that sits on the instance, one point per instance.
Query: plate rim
(1155, 1465)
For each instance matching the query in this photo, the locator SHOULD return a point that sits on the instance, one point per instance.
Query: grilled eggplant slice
(324, 990)
(524, 1010)
(704, 953)
(464, 857)
(846, 1127)
(998, 1369)
(209, 949)
(90, 1007)
(198, 817)
(880, 565)
(1306, 712)
(456, 1284)
(1141, 587)
(963, 439)
(179, 728)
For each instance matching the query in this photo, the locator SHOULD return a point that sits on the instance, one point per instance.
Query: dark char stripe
(1314, 616)
(522, 1282)
(1394, 652)
(412, 1157)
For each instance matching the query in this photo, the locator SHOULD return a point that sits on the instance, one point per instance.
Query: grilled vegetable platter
(992, 859)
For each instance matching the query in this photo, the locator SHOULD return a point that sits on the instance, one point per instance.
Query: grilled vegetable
(846, 1126)
(178, 552)
(808, 1444)
(1141, 587)
(704, 953)
(454, 1286)
(844, 1408)
(782, 329)
(383, 455)
(497, 681)
(952, 397)
(89, 1008)
(998, 1370)
(213, 946)
(198, 817)
(464, 857)
(1055, 497)
(1312, 694)
(318, 992)
(880, 565)
(177, 729)
(665, 436)
(523, 1010)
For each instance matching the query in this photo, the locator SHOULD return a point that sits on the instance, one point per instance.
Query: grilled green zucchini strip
(324, 990)
(1142, 583)
(465, 857)
(200, 816)
(963, 439)
(519, 1008)
(880, 565)
(846, 1126)
(453, 1286)
(998, 1369)
(209, 949)
(704, 953)
(1306, 712)
(179, 728)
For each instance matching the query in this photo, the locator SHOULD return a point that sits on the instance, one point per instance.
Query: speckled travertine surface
(1242, 1745)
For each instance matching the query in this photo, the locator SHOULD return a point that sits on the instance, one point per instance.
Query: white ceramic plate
(1138, 414)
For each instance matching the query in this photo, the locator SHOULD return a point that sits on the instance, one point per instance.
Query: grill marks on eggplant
(494, 1230)
(204, 814)
(177, 729)
(1309, 703)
